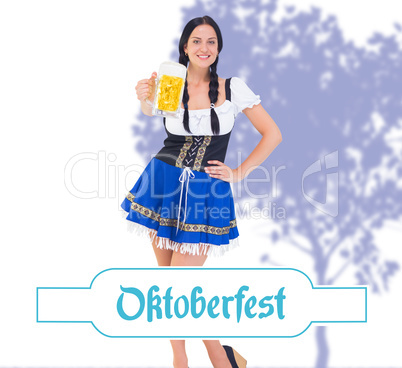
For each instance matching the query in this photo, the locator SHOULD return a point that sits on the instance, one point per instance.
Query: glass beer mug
(169, 89)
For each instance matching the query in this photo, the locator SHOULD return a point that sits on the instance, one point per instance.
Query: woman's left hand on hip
(222, 171)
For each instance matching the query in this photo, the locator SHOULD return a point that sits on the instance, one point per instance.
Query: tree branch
(298, 246)
(340, 271)
(334, 245)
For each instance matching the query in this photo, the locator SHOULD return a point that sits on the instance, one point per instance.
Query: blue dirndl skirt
(184, 210)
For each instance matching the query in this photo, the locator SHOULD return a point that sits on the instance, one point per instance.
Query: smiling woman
(188, 174)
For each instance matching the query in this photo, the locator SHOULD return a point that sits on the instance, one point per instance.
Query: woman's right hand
(146, 88)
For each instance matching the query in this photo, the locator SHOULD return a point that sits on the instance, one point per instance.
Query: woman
(194, 151)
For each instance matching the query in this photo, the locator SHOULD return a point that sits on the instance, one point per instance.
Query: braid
(213, 96)
(183, 59)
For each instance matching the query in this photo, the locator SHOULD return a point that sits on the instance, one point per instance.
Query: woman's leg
(163, 256)
(179, 260)
(179, 354)
(186, 259)
(217, 354)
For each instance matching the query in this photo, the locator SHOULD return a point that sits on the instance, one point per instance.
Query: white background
(68, 72)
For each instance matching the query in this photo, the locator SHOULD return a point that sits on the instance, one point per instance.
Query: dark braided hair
(214, 83)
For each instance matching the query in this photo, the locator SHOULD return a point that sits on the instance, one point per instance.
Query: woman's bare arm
(271, 137)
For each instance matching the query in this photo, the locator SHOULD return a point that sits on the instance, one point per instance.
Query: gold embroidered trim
(130, 196)
(163, 221)
(201, 152)
(183, 150)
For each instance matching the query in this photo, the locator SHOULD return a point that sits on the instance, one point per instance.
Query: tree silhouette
(339, 109)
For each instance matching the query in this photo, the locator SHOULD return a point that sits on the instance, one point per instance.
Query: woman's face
(202, 42)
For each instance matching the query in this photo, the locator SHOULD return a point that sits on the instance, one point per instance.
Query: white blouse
(200, 120)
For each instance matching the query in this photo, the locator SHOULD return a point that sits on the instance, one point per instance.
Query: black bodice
(194, 151)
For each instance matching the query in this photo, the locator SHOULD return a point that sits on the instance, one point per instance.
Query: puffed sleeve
(242, 96)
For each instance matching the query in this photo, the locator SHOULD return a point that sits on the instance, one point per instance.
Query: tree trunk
(322, 345)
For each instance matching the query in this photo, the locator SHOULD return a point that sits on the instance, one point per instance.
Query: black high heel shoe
(235, 359)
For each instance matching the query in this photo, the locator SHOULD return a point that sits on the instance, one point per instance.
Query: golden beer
(169, 92)
(169, 89)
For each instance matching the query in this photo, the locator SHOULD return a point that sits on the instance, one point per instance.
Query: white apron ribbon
(185, 175)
